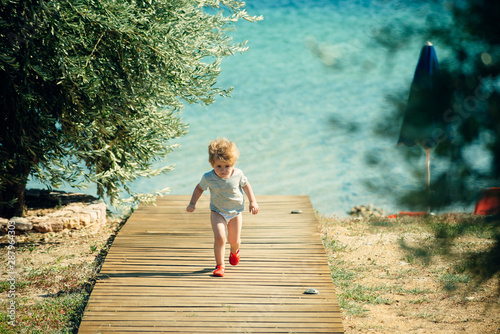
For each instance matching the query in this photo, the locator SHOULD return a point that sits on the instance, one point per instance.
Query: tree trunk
(13, 192)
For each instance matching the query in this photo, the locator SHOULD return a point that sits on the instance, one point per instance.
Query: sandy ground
(390, 290)
(35, 253)
(52, 273)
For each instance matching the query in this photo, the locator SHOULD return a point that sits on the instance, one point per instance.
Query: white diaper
(228, 216)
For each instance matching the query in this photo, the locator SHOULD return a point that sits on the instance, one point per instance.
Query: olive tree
(91, 89)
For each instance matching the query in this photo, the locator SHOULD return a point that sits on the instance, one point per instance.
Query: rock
(45, 224)
(19, 220)
(366, 211)
(77, 216)
(22, 224)
(51, 215)
(76, 221)
(3, 225)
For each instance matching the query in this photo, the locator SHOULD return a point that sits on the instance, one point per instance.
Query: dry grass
(55, 273)
(392, 277)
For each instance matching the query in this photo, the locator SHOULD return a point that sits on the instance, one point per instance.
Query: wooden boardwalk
(157, 276)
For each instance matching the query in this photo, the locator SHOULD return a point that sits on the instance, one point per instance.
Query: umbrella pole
(428, 166)
(428, 169)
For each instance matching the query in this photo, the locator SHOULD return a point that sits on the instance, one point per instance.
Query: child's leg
(234, 232)
(219, 229)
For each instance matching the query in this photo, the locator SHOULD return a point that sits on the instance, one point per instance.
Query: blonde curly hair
(224, 150)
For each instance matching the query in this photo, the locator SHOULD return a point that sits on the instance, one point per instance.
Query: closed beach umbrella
(424, 122)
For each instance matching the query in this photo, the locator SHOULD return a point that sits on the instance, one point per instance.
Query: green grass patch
(61, 312)
(352, 308)
(382, 223)
(63, 278)
(422, 300)
(5, 286)
(334, 245)
(340, 276)
(475, 226)
(452, 281)
(364, 294)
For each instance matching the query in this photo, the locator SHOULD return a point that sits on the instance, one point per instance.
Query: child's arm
(196, 195)
(253, 207)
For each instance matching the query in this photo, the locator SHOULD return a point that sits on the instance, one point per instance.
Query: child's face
(223, 169)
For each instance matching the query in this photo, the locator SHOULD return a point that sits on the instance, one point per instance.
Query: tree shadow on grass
(480, 265)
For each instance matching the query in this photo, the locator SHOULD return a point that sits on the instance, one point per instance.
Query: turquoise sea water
(286, 94)
(312, 75)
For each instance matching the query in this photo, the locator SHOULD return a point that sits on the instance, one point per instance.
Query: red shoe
(234, 258)
(219, 271)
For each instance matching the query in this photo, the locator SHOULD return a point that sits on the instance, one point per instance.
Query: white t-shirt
(226, 196)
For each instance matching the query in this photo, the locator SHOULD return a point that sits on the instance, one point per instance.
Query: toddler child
(226, 184)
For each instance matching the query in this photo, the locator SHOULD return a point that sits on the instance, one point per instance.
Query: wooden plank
(157, 276)
(111, 328)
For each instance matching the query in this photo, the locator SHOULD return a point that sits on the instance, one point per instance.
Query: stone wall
(79, 211)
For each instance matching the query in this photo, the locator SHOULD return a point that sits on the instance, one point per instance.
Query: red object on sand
(413, 213)
(488, 202)
(409, 214)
